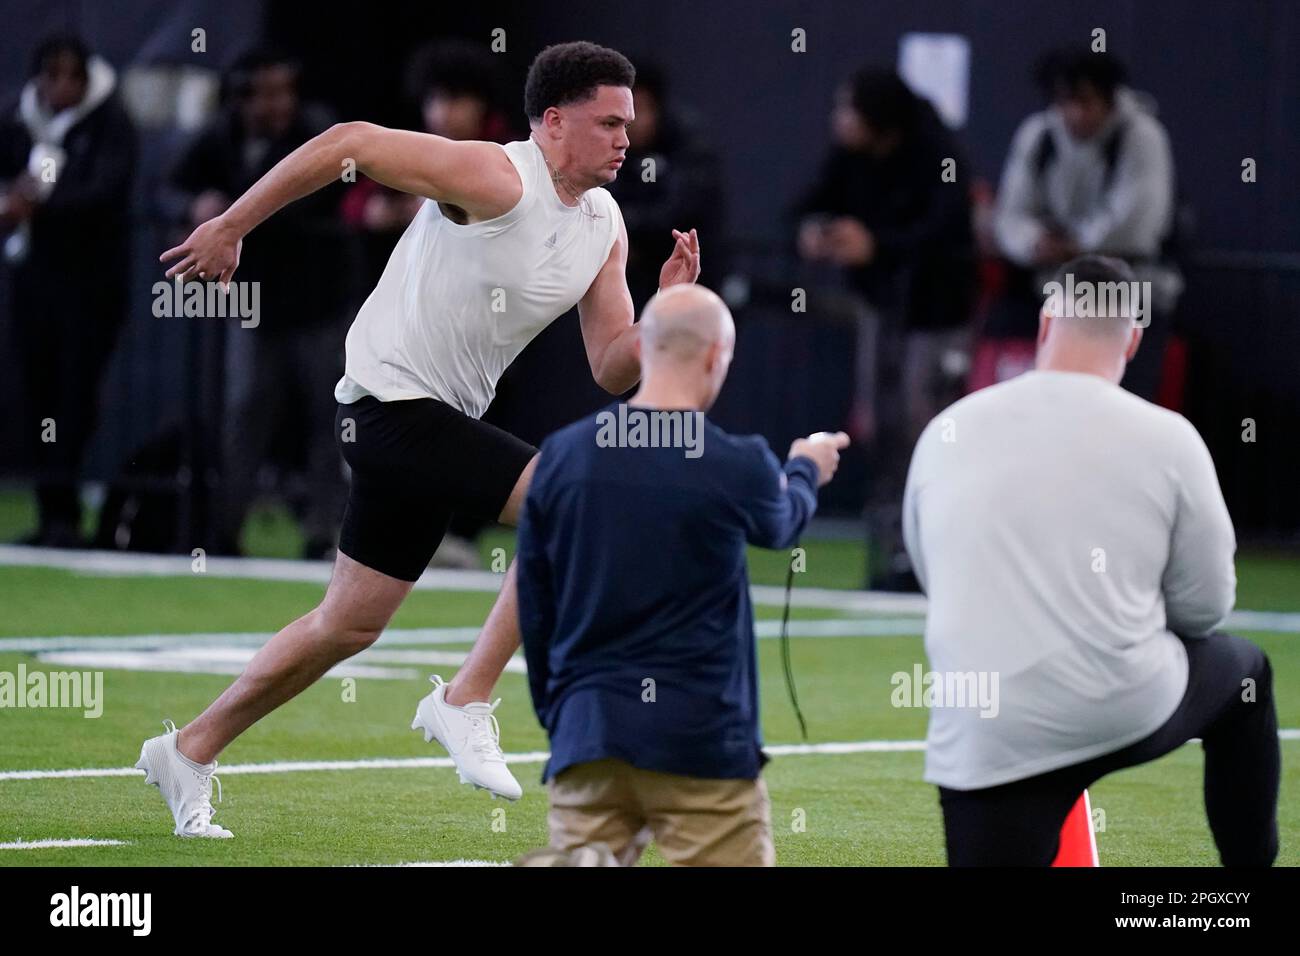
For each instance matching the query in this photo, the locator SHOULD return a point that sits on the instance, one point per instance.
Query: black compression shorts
(415, 463)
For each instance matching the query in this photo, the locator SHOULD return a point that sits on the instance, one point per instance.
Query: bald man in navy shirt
(634, 602)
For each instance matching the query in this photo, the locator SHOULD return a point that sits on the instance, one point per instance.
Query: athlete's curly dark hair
(570, 72)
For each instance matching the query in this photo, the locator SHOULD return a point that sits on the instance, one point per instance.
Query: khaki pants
(694, 821)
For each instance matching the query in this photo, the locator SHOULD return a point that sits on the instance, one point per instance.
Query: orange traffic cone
(1078, 843)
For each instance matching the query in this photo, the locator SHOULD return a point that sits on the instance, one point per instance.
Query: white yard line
(1280, 622)
(288, 766)
(57, 844)
(416, 636)
(211, 660)
(272, 569)
(529, 757)
(230, 653)
(226, 653)
(233, 660)
(396, 637)
(441, 863)
(131, 642)
(179, 565)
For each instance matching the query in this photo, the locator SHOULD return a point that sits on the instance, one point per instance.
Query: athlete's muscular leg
(500, 635)
(357, 606)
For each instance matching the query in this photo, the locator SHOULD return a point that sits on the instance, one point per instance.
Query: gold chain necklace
(557, 177)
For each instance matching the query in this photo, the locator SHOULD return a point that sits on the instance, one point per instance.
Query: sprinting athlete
(511, 237)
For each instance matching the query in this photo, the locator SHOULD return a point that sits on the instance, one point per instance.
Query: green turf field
(858, 808)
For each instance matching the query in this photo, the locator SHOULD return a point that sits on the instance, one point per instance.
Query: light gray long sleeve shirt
(1063, 530)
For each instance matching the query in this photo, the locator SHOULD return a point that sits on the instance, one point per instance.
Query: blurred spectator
(292, 359)
(67, 154)
(1092, 173)
(881, 209)
(458, 87)
(671, 180)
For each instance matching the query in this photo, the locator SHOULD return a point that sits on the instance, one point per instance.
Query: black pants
(1228, 704)
(65, 331)
(272, 372)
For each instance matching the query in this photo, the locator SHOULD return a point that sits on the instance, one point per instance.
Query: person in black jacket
(891, 207)
(67, 151)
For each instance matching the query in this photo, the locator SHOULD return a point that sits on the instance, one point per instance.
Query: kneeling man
(1076, 549)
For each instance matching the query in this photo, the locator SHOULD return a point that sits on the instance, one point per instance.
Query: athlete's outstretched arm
(477, 176)
(608, 317)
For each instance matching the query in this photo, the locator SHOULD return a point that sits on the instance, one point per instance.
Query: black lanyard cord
(785, 650)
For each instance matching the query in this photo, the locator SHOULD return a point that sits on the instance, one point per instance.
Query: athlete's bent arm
(608, 324)
(608, 317)
(476, 176)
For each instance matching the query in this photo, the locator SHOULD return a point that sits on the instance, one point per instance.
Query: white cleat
(188, 792)
(471, 735)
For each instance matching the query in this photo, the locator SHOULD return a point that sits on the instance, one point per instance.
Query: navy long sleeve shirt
(634, 602)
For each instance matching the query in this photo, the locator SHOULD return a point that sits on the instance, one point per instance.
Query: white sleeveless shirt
(456, 304)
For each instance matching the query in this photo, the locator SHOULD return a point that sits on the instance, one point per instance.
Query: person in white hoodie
(67, 155)
(1078, 557)
(1092, 173)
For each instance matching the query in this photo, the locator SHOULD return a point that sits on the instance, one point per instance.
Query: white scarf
(47, 158)
(48, 129)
